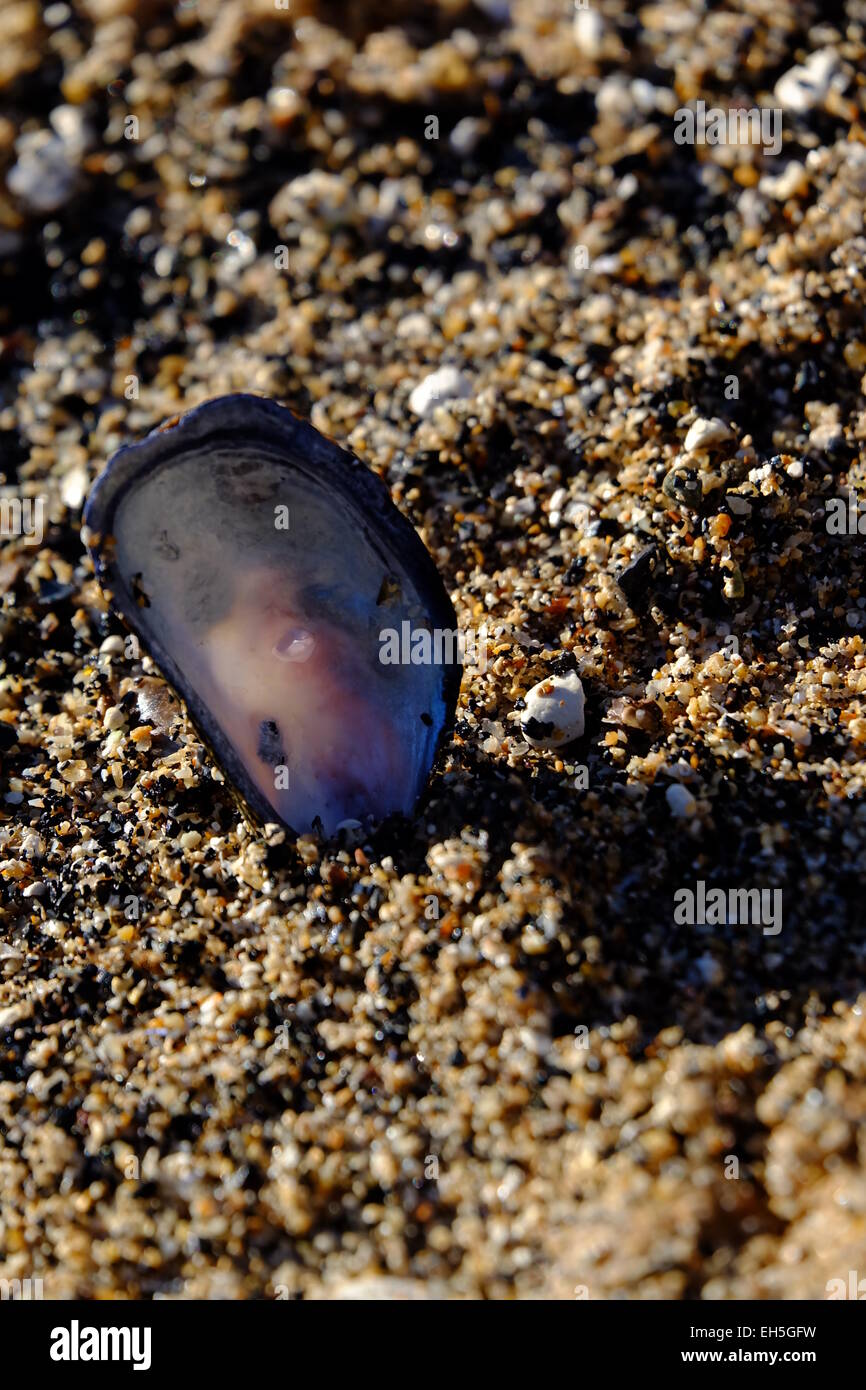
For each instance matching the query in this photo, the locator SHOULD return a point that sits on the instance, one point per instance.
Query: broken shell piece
(262, 567)
(554, 712)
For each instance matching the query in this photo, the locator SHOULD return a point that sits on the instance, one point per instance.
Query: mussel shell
(183, 535)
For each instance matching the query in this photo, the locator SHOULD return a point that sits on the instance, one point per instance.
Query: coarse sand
(478, 1053)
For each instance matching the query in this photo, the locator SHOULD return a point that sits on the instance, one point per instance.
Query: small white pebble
(557, 702)
(383, 1168)
(589, 31)
(113, 717)
(807, 85)
(466, 134)
(44, 177)
(740, 506)
(70, 124)
(414, 326)
(797, 733)
(680, 800)
(706, 434)
(73, 489)
(445, 384)
(790, 183)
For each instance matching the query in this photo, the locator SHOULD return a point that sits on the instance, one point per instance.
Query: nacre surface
(260, 564)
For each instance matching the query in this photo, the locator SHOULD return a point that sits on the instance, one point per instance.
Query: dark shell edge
(246, 416)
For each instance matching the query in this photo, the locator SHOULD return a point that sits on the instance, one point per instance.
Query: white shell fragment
(444, 385)
(554, 712)
(707, 434)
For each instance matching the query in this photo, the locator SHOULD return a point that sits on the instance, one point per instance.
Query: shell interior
(264, 569)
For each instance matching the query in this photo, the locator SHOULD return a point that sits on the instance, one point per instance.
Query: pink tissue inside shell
(268, 666)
